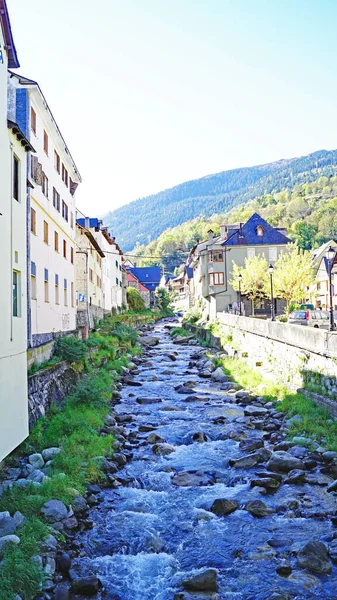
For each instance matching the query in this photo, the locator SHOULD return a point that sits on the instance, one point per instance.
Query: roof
(148, 276)
(13, 61)
(189, 272)
(20, 136)
(98, 225)
(247, 234)
(92, 239)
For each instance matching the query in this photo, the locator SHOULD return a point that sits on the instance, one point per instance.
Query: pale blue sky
(152, 93)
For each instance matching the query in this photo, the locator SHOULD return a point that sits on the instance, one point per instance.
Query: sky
(151, 93)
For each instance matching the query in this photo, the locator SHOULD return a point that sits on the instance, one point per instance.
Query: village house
(89, 286)
(112, 274)
(53, 178)
(212, 262)
(14, 146)
(183, 286)
(145, 279)
(319, 293)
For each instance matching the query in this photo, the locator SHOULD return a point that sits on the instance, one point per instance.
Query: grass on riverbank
(316, 422)
(73, 426)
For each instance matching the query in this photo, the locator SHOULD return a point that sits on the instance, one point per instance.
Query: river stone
(284, 462)
(314, 556)
(6, 541)
(222, 507)
(148, 340)
(149, 400)
(296, 477)
(251, 445)
(36, 460)
(196, 596)
(219, 375)
(204, 581)
(268, 483)
(257, 508)
(54, 511)
(163, 449)
(284, 568)
(61, 592)
(7, 524)
(86, 585)
(63, 561)
(154, 438)
(50, 453)
(255, 411)
(246, 462)
(200, 437)
(193, 479)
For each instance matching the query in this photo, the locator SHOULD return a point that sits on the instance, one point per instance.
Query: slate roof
(92, 222)
(13, 62)
(189, 272)
(247, 235)
(148, 276)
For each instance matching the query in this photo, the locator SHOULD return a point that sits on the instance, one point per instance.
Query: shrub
(193, 315)
(94, 389)
(69, 348)
(135, 301)
(125, 333)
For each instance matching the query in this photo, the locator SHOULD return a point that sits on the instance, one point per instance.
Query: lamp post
(272, 312)
(330, 255)
(240, 279)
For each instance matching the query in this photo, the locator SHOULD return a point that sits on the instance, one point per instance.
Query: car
(319, 319)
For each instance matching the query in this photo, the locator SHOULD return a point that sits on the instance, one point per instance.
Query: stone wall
(48, 386)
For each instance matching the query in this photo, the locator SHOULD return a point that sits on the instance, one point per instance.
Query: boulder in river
(88, 586)
(219, 375)
(222, 507)
(284, 462)
(296, 477)
(148, 340)
(154, 438)
(314, 556)
(192, 479)
(163, 449)
(148, 400)
(246, 462)
(257, 508)
(204, 581)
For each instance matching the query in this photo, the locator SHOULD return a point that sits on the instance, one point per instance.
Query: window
(72, 294)
(90, 275)
(56, 241)
(33, 280)
(72, 255)
(259, 230)
(45, 184)
(250, 252)
(120, 267)
(65, 293)
(57, 162)
(318, 286)
(64, 210)
(64, 175)
(120, 283)
(117, 264)
(57, 290)
(33, 120)
(33, 221)
(16, 293)
(45, 232)
(97, 280)
(117, 281)
(216, 279)
(45, 142)
(16, 171)
(46, 285)
(272, 255)
(56, 199)
(215, 256)
(64, 249)
(71, 220)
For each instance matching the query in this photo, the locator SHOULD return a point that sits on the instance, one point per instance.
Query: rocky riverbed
(205, 497)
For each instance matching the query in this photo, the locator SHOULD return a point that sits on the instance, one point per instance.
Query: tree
(163, 297)
(305, 234)
(254, 282)
(135, 301)
(293, 273)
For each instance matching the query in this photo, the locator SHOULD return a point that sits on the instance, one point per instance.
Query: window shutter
(33, 269)
(39, 174)
(73, 187)
(65, 284)
(33, 167)
(46, 274)
(56, 279)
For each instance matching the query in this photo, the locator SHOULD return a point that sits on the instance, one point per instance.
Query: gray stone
(7, 524)
(79, 505)
(50, 453)
(284, 462)
(36, 460)
(329, 455)
(163, 449)
(86, 585)
(314, 556)
(61, 592)
(255, 411)
(204, 581)
(49, 544)
(37, 476)
(284, 568)
(257, 508)
(6, 541)
(296, 477)
(54, 511)
(268, 483)
(154, 438)
(219, 375)
(192, 479)
(199, 437)
(50, 566)
(148, 340)
(149, 400)
(19, 518)
(246, 462)
(222, 507)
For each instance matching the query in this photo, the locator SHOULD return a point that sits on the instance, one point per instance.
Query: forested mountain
(145, 219)
(308, 211)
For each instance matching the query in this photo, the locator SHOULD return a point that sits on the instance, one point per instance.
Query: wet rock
(63, 561)
(146, 428)
(61, 592)
(257, 508)
(314, 556)
(49, 566)
(284, 568)
(171, 356)
(192, 479)
(230, 386)
(204, 581)
(251, 445)
(49, 544)
(119, 458)
(148, 340)
(219, 375)
(50, 453)
(93, 488)
(130, 381)
(36, 460)
(298, 452)
(149, 400)
(268, 483)
(196, 596)
(200, 437)
(37, 476)
(222, 507)
(278, 542)
(154, 438)
(6, 541)
(255, 411)
(70, 523)
(284, 462)
(296, 477)
(182, 389)
(195, 399)
(163, 449)
(333, 550)
(86, 585)
(205, 374)
(330, 455)
(7, 524)
(54, 511)
(246, 462)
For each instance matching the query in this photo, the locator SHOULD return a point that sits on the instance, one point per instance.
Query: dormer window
(259, 231)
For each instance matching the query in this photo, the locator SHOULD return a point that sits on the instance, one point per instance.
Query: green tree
(293, 274)
(135, 301)
(305, 234)
(254, 282)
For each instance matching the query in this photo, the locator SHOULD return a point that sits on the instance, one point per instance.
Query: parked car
(311, 318)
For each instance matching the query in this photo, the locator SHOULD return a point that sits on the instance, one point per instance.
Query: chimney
(210, 236)
(87, 223)
(223, 232)
(198, 241)
(240, 230)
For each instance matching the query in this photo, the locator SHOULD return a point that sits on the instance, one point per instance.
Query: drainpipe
(11, 244)
(86, 281)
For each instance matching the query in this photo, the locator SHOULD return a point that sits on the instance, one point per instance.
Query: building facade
(89, 285)
(13, 314)
(54, 178)
(213, 260)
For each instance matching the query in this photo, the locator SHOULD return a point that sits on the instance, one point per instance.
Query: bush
(69, 348)
(163, 297)
(135, 301)
(125, 333)
(94, 390)
(193, 315)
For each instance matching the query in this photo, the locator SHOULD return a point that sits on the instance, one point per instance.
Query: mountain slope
(146, 218)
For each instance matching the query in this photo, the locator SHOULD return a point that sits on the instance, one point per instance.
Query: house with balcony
(212, 263)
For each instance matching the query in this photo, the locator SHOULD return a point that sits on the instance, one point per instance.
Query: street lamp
(240, 279)
(272, 312)
(330, 255)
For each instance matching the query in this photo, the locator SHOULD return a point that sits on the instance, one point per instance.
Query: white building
(52, 217)
(112, 273)
(13, 314)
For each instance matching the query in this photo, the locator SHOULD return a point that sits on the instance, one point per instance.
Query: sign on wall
(81, 297)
